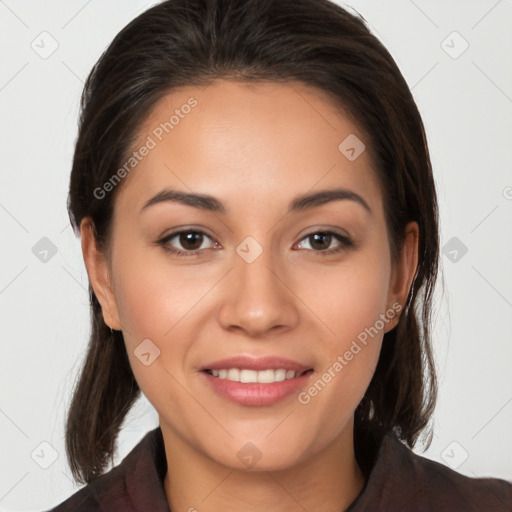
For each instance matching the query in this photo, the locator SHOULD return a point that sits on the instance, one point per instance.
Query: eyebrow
(211, 204)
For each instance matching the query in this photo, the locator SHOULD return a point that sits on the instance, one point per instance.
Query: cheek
(351, 301)
(155, 302)
(160, 302)
(350, 298)
(154, 296)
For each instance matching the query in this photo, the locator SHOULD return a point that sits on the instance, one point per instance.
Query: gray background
(465, 97)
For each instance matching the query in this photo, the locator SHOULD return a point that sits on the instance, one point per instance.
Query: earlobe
(99, 274)
(405, 271)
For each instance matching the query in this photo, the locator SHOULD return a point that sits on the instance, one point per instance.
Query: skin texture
(254, 147)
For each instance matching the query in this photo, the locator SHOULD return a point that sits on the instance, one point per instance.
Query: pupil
(188, 239)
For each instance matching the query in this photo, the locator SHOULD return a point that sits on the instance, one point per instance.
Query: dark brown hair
(316, 42)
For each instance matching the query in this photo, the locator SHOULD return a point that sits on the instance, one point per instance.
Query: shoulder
(402, 480)
(441, 488)
(82, 500)
(108, 489)
(135, 481)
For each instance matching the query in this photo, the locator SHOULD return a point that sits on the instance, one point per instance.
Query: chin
(254, 456)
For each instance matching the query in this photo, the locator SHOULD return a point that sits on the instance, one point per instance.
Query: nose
(258, 299)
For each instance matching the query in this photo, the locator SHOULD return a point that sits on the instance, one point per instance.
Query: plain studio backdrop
(456, 57)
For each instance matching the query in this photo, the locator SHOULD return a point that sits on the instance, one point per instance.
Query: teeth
(279, 375)
(246, 376)
(233, 374)
(265, 376)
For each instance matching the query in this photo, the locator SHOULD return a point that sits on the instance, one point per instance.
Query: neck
(329, 480)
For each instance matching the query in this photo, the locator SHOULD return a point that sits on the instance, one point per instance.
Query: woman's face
(285, 265)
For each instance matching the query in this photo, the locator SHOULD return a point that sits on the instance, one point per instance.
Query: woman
(258, 216)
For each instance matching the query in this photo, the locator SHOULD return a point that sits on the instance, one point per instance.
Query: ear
(404, 272)
(99, 274)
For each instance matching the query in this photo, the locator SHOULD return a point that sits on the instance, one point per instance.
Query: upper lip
(256, 363)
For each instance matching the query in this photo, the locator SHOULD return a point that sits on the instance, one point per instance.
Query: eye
(322, 241)
(191, 242)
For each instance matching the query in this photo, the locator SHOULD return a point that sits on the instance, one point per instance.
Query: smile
(251, 376)
(256, 387)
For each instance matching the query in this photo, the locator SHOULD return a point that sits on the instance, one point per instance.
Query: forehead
(261, 140)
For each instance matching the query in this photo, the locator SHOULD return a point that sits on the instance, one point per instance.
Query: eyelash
(345, 242)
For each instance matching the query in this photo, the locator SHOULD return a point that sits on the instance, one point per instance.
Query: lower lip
(255, 393)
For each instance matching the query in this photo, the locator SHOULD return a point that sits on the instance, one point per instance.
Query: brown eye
(187, 242)
(190, 241)
(322, 242)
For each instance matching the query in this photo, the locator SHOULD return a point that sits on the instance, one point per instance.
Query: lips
(257, 364)
(256, 381)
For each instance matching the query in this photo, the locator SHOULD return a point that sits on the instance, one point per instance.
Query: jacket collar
(145, 482)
